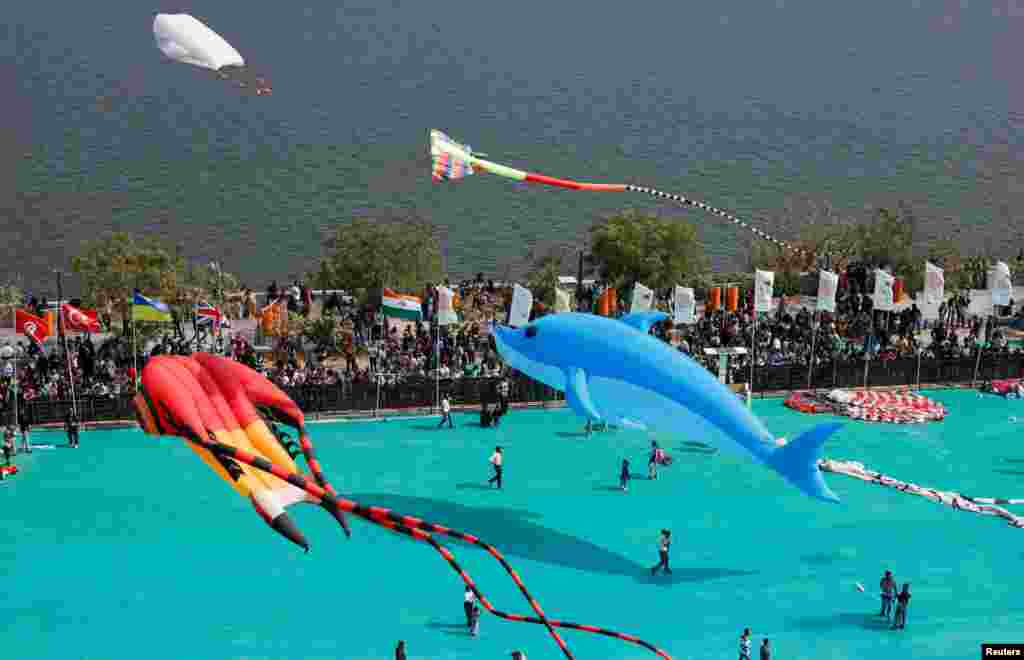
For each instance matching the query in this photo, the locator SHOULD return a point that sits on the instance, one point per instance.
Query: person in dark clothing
(766, 650)
(664, 543)
(652, 461)
(474, 621)
(400, 650)
(624, 475)
(8, 446)
(71, 428)
(26, 430)
(468, 603)
(902, 602)
(887, 586)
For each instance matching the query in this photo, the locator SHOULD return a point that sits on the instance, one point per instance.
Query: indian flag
(401, 306)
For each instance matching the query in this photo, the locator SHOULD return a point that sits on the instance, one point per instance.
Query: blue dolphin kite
(612, 370)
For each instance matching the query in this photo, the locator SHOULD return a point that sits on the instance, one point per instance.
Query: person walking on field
(652, 462)
(400, 650)
(902, 602)
(497, 459)
(468, 602)
(745, 644)
(624, 476)
(446, 412)
(766, 650)
(664, 543)
(26, 434)
(71, 429)
(8, 448)
(887, 585)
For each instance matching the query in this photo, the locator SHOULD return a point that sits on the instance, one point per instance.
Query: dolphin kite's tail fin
(797, 461)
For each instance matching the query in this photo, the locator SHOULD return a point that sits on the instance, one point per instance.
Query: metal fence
(334, 399)
(908, 372)
(409, 394)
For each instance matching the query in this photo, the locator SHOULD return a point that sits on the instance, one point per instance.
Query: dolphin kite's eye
(531, 331)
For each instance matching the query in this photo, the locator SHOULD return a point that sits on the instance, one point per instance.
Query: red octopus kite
(228, 413)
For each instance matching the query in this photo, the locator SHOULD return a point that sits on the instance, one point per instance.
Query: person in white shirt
(446, 412)
(468, 601)
(496, 461)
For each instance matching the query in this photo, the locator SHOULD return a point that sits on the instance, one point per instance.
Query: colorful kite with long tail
(452, 161)
(228, 413)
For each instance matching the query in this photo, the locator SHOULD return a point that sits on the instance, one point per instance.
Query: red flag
(31, 326)
(79, 320)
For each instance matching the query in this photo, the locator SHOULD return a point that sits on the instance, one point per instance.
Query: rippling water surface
(750, 106)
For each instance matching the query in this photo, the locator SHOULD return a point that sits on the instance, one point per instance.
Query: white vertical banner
(562, 303)
(828, 282)
(522, 304)
(883, 297)
(764, 289)
(445, 306)
(685, 304)
(1002, 286)
(643, 299)
(934, 284)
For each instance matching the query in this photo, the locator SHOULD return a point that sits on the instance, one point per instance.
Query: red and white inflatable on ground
(8, 470)
(892, 407)
(871, 406)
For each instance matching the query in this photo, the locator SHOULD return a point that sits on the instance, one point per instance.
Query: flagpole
(380, 310)
(867, 346)
(437, 368)
(753, 342)
(135, 357)
(16, 390)
(980, 347)
(815, 320)
(63, 339)
(919, 367)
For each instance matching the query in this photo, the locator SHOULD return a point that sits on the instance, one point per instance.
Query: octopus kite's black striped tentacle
(419, 529)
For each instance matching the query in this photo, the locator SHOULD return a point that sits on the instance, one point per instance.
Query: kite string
(415, 528)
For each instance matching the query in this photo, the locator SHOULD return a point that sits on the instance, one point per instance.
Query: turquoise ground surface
(129, 547)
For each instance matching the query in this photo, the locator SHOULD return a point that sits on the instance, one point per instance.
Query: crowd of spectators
(104, 371)
(370, 348)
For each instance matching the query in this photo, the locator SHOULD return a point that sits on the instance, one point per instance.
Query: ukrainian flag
(145, 309)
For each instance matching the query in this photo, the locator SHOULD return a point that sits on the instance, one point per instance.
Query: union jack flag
(207, 314)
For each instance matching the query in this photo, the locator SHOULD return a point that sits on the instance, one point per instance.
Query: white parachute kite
(183, 38)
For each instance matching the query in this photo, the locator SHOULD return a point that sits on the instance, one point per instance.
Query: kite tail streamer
(981, 505)
(418, 529)
(453, 161)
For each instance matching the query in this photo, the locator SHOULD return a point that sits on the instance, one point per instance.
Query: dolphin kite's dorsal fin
(643, 321)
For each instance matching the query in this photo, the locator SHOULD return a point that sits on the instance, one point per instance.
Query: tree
(321, 332)
(543, 277)
(209, 280)
(112, 266)
(889, 239)
(632, 247)
(369, 252)
(11, 294)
